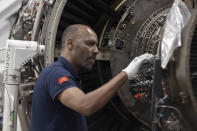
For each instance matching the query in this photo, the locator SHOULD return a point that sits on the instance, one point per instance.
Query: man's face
(85, 49)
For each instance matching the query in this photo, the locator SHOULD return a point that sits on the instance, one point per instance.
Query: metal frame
(17, 54)
(52, 30)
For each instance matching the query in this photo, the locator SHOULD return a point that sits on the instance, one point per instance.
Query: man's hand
(134, 66)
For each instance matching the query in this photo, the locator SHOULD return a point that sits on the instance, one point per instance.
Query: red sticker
(62, 79)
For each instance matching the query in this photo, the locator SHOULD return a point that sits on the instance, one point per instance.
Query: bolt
(119, 44)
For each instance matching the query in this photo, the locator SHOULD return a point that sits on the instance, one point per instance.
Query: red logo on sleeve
(62, 79)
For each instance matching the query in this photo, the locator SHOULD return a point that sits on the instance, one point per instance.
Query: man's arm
(89, 103)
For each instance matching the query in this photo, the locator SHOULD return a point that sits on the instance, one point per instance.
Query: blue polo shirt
(48, 113)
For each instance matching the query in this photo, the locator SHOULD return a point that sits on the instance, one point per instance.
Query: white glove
(134, 66)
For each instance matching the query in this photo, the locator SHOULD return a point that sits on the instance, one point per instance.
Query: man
(59, 104)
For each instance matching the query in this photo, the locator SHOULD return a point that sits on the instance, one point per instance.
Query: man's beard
(87, 67)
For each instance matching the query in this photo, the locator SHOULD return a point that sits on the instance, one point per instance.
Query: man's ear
(70, 44)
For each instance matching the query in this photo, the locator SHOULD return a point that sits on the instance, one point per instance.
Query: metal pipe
(23, 118)
(11, 100)
(26, 85)
(37, 22)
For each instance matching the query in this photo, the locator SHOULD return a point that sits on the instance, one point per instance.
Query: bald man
(59, 104)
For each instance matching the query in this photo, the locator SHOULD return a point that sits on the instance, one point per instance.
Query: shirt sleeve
(59, 81)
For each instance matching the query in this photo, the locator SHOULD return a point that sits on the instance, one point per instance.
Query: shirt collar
(67, 66)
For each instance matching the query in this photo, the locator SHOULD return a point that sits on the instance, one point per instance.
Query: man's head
(79, 46)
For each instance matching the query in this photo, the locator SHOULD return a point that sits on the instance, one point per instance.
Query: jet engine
(126, 29)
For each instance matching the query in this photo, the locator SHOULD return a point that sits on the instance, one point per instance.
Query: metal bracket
(20, 52)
